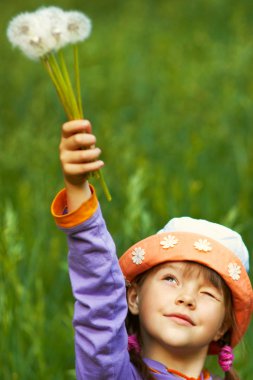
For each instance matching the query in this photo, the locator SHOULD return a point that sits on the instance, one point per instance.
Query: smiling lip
(181, 319)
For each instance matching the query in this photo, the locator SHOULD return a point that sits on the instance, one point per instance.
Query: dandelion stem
(77, 80)
(71, 94)
(104, 185)
(61, 86)
(49, 70)
(61, 82)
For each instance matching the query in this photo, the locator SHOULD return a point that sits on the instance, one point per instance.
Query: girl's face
(179, 310)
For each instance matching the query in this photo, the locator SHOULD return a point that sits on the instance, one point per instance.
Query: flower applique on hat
(234, 271)
(169, 241)
(203, 245)
(138, 255)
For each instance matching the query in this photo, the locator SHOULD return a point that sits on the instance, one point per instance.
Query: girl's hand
(79, 157)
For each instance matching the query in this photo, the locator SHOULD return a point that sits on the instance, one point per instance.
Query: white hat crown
(224, 235)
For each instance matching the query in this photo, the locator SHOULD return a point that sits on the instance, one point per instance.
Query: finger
(78, 141)
(82, 169)
(76, 126)
(80, 156)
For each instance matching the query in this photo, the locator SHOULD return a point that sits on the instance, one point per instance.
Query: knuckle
(95, 153)
(77, 139)
(61, 146)
(93, 138)
(66, 169)
(65, 126)
(63, 157)
(87, 123)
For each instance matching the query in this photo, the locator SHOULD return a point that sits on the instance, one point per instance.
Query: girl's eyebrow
(169, 266)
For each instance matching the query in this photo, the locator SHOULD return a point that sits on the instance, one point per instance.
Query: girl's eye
(209, 294)
(171, 279)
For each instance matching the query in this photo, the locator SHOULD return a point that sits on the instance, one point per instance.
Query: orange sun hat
(206, 243)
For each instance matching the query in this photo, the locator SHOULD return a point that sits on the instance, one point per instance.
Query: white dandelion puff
(78, 26)
(48, 29)
(169, 241)
(203, 245)
(54, 21)
(26, 32)
(138, 255)
(234, 271)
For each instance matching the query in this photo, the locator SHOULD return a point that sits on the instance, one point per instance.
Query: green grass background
(168, 86)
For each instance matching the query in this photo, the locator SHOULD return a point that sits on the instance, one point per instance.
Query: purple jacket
(100, 308)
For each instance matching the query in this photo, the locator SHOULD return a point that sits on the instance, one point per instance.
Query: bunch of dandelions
(41, 36)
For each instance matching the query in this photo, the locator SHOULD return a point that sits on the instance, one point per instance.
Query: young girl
(171, 299)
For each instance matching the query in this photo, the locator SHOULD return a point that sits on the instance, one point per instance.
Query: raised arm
(97, 282)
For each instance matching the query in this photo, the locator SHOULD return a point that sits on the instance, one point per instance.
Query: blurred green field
(168, 86)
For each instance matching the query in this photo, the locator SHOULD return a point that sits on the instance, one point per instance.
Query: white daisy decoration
(234, 271)
(169, 241)
(203, 245)
(138, 255)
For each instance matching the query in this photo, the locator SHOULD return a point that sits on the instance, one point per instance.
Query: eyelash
(209, 294)
(170, 277)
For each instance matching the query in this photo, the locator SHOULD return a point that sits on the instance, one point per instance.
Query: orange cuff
(76, 217)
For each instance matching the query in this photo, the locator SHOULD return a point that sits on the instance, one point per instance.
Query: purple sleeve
(100, 308)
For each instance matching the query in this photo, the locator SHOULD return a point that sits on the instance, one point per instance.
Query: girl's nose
(186, 300)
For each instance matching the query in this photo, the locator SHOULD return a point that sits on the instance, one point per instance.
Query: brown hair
(133, 324)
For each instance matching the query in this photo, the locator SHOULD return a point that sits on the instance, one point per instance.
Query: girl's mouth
(181, 319)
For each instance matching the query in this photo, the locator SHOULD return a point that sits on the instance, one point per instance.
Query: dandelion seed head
(48, 29)
(25, 32)
(78, 26)
(54, 22)
(35, 40)
(19, 28)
